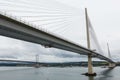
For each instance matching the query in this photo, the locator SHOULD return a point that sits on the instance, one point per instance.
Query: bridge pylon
(90, 66)
(110, 65)
(37, 65)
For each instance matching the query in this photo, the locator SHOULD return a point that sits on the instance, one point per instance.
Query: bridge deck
(16, 29)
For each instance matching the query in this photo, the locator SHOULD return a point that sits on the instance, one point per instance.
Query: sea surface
(57, 73)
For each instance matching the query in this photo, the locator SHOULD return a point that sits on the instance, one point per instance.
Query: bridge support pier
(90, 67)
(111, 65)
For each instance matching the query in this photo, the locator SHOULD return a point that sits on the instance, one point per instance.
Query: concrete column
(111, 65)
(90, 67)
(90, 70)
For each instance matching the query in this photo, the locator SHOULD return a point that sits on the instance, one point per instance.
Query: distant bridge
(18, 61)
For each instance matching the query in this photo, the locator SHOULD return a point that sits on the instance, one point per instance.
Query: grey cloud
(31, 49)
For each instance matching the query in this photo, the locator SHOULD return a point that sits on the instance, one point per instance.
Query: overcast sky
(104, 16)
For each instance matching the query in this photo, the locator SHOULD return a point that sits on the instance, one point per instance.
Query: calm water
(52, 73)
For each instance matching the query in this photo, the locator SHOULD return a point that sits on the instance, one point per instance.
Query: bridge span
(14, 28)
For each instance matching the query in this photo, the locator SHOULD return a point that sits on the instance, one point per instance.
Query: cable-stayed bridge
(29, 33)
(14, 27)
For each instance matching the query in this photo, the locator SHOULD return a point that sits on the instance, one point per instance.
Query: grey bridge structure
(13, 28)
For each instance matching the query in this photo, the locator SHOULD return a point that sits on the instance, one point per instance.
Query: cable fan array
(50, 16)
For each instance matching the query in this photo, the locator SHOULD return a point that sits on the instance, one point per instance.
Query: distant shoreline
(64, 64)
